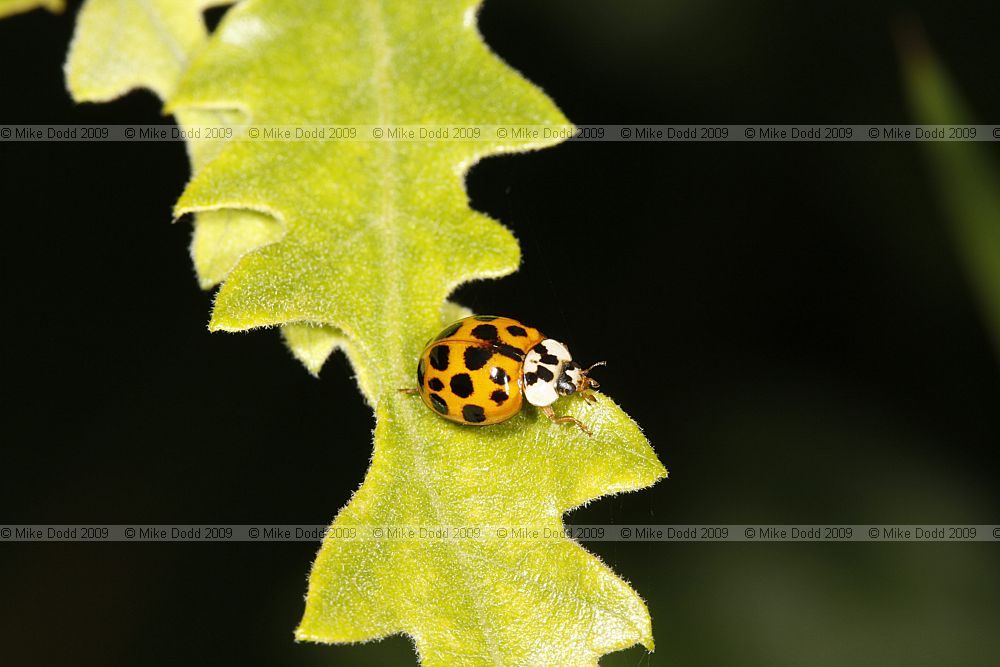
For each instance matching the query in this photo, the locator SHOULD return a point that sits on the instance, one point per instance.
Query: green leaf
(364, 249)
(966, 175)
(106, 60)
(11, 7)
(355, 246)
(120, 45)
(222, 237)
(484, 601)
(312, 344)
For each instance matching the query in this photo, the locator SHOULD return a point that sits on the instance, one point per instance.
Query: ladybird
(481, 369)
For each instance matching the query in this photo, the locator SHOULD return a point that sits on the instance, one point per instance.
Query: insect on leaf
(356, 245)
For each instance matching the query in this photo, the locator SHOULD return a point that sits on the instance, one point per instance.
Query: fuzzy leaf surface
(120, 45)
(355, 246)
(376, 234)
(484, 601)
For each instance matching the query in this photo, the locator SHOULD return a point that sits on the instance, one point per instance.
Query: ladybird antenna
(591, 383)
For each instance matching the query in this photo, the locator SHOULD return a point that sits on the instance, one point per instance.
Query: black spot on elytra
(515, 330)
(476, 357)
(509, 351)
(499, 376)
(461, 385)
(485, 318)
(473, 414)
(530, 378)
(420, 373)
(439, 357)
(540, 348)
(485, 332)
(544, 374)
(549, 359)
(499, 396)
(450, 331)
(436, 384)
(439, 404)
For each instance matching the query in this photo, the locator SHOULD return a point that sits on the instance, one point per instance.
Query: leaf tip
(205, 282)
(311, 344)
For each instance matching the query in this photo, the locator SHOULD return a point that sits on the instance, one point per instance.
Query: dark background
(818, 356)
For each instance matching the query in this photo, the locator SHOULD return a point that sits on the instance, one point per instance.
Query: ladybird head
(575, 378)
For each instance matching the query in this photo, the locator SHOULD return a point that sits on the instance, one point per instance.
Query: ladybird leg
(548, 412)
(588, 396)
(409, 391)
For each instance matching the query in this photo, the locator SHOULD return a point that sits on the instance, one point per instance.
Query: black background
(790, 324)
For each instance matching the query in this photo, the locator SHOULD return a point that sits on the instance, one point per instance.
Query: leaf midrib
(388, 210)
(387, 153)
(421, 469)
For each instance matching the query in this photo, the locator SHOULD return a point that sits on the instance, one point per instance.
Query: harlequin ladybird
(481, 369)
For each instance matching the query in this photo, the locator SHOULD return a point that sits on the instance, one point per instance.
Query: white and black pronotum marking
(549, 372)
